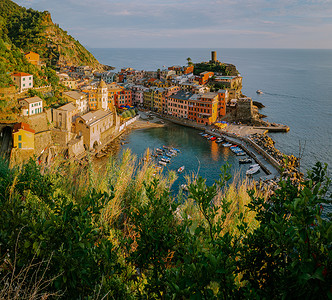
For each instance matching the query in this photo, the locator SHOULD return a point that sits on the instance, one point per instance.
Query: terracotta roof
(23, 126)
(20, 74)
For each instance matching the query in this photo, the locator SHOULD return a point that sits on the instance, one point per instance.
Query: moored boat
(245, 160)
(259, 92)
(180, 170)
(162, 163)
(227, 144)
(253, 169)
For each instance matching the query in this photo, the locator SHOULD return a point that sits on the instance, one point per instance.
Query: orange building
(178, 104)
(32, 57)
(188, 69)
(203, 109)
(118, 95)
(223, 99)
(205, 76)
(92, 98)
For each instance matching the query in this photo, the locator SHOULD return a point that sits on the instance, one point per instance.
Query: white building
(31, 106)
(79, 99)
(24, 81)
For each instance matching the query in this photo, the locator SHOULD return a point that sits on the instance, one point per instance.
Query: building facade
(31, 106)
(23, 136)
(24, 81)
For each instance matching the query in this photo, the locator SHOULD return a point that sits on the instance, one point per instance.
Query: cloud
(179, 22)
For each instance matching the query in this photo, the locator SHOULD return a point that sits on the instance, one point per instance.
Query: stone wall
(244, 110)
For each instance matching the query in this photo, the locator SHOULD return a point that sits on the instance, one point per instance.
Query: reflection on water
(214, 151)
(198, 155)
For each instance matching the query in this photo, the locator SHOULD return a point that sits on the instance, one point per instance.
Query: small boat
(180, 170)
(177, 150)
(259, 92)
(213, 138)
(219, 140)
(227, 144)
(201, 133)
(241, 153)
(166, 160)
(184, 187)
(162, 163)
(204, 135)
(253, 169)
(245, 160)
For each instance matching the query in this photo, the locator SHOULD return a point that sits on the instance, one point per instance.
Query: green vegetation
(23, 30)
(225, 69)
(118, 233)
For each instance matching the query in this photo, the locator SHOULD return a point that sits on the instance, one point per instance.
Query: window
(23, 79)
(20, 145)
(20, 138)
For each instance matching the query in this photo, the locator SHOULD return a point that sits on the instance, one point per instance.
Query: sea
(296, 86)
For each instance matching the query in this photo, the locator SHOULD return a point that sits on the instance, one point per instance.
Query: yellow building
(32, 57)
(23, 136)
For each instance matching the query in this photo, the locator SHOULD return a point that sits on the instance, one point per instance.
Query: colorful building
(79, 99)
(203, 109)
(92, 98)
(204, 77)
(118, 95)
(232, 83)
(31, 106)
(223, 100)
(33, 58)
(178, 104)
(23, 136)
(24, 81)
(148, 99)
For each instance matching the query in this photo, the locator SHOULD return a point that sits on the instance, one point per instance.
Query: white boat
(184, 187)
(245, 161)
(227, 144)
(259, 92)
(240, 153)
(253, 169)
(180, 170)
(162, 163)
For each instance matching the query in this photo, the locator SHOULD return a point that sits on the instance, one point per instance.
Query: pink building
(137, 94)
(178, 104)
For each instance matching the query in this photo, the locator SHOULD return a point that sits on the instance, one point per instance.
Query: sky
(193, 23)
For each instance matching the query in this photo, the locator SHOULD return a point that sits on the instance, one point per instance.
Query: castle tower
(102, 95)
(213, 56)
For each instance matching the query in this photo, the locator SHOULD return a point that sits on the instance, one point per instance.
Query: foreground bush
(118, 233)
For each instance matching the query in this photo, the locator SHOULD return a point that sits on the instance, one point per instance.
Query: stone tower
(213, 56)
(102, 95)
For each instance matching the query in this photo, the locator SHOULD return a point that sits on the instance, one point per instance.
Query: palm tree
(189, 61)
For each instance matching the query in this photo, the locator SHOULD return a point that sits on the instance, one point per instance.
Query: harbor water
(199, 155)
(296, 85)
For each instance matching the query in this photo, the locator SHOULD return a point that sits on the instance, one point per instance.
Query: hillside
(23, 30)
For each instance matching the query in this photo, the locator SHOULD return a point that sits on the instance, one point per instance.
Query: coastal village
(97, 107)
